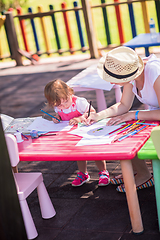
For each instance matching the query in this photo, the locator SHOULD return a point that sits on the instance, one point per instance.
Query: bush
(6, 4)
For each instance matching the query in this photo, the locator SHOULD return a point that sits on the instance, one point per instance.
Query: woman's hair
(56, 90)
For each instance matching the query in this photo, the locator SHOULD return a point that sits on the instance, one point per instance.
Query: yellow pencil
(133, 126)
(119, 130)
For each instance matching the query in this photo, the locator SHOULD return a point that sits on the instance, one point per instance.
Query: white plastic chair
(26, 183)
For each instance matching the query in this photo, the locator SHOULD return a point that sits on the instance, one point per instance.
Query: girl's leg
(143, 174)
(101, 165)
(82, 166)
(104, 179)
(82, 175)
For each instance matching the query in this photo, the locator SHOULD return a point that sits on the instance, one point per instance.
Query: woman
(139, 78)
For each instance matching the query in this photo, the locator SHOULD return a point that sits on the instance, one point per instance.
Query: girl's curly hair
(56, 90)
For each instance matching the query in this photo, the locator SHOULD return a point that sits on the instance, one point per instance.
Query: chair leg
(28, 220)
(156, 174)
(46, 206)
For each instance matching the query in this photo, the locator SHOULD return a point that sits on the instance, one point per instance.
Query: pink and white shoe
(80, 179)
(104, 179)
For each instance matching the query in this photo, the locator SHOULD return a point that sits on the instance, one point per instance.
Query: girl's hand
(74, 121)
(55, 120)
(121, 118)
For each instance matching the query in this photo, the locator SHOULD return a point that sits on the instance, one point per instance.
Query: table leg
(156, 173)
(146, 51)
(132, 198)
(101, 101)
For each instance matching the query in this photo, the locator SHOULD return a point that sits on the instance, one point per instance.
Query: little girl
(69, 107)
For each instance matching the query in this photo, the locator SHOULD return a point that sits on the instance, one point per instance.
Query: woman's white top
(151, 73)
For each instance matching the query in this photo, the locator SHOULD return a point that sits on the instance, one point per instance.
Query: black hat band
(119, 76)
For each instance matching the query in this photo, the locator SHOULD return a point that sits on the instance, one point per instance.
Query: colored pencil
(127, 133)
(50, 115)
(123, 133)
(143, 123)
(132, 128)
(23, 135)
(50, 134)
(119, 130)
(89, 108)
(132, 133)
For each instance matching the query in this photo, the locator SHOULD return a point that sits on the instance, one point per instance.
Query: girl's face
(65, 103)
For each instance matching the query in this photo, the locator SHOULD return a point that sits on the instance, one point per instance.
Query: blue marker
(50, 115)
(23, 135)
(152, 124)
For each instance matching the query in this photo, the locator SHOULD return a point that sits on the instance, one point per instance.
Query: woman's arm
(142, 115)
(154, 114)
(117, 109)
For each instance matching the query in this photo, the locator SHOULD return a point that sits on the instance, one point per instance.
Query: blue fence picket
(132, 20)
(55, 28)
(34, 31)
(79, 25)
(105, 17)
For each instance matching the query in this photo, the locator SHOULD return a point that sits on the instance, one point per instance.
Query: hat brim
(108, 78)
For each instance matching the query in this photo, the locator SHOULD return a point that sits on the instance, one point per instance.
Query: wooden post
(145, 17)
(89, 28)
(2, 20)
(12, 38)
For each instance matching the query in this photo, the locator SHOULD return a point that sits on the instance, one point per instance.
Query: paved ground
(87, 212)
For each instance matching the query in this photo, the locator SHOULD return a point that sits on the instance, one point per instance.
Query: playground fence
(55, 31)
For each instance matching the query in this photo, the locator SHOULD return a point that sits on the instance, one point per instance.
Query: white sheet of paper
(41, 124)
(96, 130)
(97, 141)
(6, 120)
(11, 125)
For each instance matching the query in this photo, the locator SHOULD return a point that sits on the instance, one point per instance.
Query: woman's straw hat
(120, 65)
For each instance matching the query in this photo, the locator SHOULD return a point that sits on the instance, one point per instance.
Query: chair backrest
(155, 136)
(12, 149)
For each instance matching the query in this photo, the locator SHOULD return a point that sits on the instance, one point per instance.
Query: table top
(148, 151)
(144, 40)
(89, 78)
(62, 147)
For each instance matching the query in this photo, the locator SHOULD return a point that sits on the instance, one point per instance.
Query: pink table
(62, 148)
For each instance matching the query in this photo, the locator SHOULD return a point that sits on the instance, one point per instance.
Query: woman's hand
(91, 119)
(121, 118)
